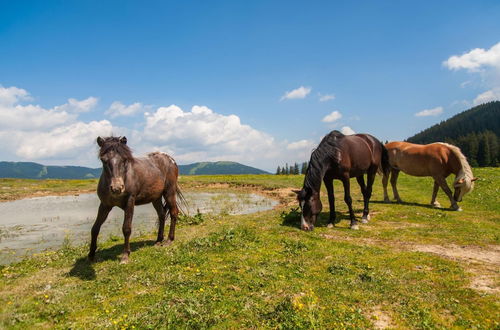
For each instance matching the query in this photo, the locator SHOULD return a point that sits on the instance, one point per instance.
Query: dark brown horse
(127, 181)
(341, 157)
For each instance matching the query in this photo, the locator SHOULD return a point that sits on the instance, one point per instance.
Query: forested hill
(475, 131)
(28, 170)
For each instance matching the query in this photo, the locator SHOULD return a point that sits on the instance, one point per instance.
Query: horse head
(115, 156)
(310, 205)
(463, 186)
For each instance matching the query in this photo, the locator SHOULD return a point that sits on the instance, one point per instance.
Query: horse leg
(102, 215)
(361, 182)
(434, 202)
(442, 183)
(331, 200)
(158, 205)
(348, 201)
(385, 181)
(394, 181)
(174, 212)
(127, 228)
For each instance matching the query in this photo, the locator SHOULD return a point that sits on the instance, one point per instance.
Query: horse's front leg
(102, 214)
(331, 201)
(348, 201)
(127, 228)
(442, 183)
(434, 202)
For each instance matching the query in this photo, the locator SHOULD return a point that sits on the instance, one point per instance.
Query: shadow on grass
(291, 218)
(84, 269)
(428, 206)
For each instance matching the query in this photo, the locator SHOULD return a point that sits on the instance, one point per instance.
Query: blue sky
(207, 80)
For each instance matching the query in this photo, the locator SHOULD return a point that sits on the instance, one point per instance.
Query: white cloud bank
(30, 132)
(117, 109)
(298, 93)
(430, 112)
(488, 96)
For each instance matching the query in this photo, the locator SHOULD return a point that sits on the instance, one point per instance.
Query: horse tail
(384, 167)
(183, 207)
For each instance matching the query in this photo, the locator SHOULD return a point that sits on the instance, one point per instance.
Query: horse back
(420, 160)
(360, 152)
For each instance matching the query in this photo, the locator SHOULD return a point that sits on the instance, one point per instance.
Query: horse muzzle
(117, 187)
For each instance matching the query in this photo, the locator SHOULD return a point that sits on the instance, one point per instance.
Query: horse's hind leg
(331, 201)
(348, 201)
(361, 182)
(394, 181)
(171, 202)
(160, 210)
(434, 202)
(102, 214)
(385, 181)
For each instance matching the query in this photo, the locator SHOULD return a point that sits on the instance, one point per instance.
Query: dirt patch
(486, 283)
(490, 254)
(380, 318)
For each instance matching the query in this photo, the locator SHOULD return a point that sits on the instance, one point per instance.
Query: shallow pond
(32, 225)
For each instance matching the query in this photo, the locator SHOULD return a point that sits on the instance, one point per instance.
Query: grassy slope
(260, 270)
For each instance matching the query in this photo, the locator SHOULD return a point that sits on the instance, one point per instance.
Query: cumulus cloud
(334, 116)
(430, 112)
(75, 105)
(347, 130)
(119, 109)
(326, 97)
(301, 145)
(298, 93)
(475, 59)
(488, 96)
(12, 95)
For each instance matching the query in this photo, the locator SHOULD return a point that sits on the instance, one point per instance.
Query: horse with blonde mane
(437, 160)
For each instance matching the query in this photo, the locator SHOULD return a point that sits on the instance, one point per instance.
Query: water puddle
(28, 226)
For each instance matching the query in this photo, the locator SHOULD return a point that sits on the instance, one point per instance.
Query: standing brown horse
(437, 160)
(340, 157)
(127, 181)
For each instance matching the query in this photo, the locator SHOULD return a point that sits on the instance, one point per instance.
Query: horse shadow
(291, 218)
(428, 206)
(84, 269)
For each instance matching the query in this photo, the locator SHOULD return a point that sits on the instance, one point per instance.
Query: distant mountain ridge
(30, 170)
(475, 131)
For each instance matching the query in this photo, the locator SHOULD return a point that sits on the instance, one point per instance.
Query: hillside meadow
(412, 266)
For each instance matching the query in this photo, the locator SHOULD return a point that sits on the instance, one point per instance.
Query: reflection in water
(31, 225)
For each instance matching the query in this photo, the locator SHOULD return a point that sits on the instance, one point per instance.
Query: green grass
(261, 271)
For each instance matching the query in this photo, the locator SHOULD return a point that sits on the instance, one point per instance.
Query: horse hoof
(159, 243)
(330, 225)
(355, 227)
(167, 243)
(387, 200)
(365, 219)
(459, 209)
(436, 204)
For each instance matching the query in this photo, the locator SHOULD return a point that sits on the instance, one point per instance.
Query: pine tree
(484, 152)
(287, 170)
(304, 168)
(278, 170)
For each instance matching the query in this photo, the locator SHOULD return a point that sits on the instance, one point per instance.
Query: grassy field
(412, 266)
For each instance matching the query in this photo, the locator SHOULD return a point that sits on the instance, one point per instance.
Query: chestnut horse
(437, 160)
(127, 181)
(341, 157)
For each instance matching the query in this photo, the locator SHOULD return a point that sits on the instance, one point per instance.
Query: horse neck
(314, 175)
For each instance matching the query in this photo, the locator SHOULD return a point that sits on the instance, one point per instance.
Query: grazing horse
(127, 181)
(340, 157)
(437, 160)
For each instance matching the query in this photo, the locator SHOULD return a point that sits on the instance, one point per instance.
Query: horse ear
(296, 191)
(123, 140)
(100, 141)
(474, 179)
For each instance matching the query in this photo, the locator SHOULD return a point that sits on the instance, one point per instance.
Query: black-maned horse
(127, 181)
(341, 157)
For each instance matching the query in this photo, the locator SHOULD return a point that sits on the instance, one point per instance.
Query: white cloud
(12, 95)
(347, 130)
(74, 105)
(119, 109)
(430, 112)
(326, 97)
(475, 59)
(488, 96)
(29, 117)
(298, 93)
(334, 116)
(301, 145)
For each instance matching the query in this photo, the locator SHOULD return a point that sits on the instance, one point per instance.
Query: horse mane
(327, 151)
(465, 170)
(113, 143)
